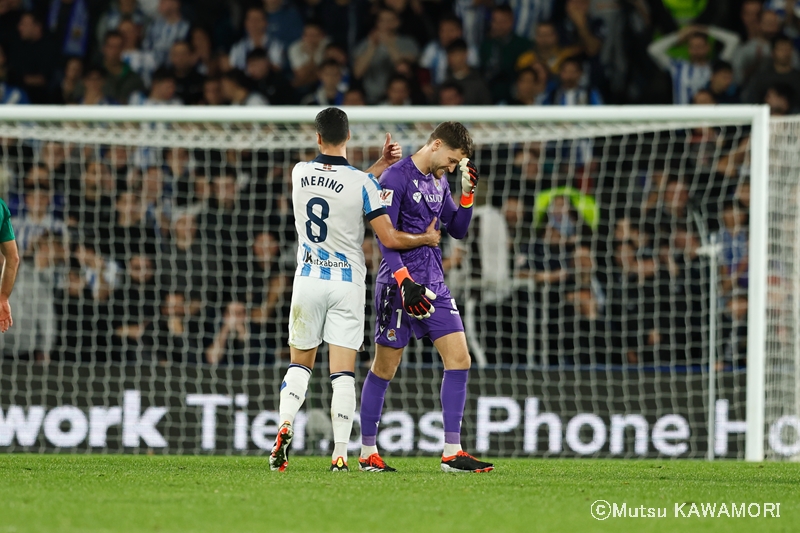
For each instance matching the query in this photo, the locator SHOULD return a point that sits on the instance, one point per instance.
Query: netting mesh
(157, 260)
(782, 410)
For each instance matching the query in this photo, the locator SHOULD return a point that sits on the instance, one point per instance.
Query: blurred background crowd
(581, 252)
(399, 52)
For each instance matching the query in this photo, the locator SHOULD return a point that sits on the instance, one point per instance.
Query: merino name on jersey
(322, 181)
(329, 217)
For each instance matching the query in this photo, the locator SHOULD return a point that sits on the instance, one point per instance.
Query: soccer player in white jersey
(331, 199)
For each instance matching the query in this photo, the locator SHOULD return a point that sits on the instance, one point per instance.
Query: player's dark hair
(455, 135)
(332, 125)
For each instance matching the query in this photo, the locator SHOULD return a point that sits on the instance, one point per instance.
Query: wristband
(467, 199)
(402, 275)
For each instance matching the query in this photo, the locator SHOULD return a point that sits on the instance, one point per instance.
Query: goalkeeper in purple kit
(410, 293)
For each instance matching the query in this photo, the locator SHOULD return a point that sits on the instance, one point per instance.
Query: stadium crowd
(601, 270)
(399, 52)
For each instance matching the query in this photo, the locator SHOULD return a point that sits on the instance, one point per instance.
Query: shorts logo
(391, 335)
(387, 195)
(417, 196)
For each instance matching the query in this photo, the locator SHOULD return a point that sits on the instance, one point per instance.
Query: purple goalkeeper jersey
(412, 200)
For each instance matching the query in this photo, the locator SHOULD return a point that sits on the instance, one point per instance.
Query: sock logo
(293, 395)
(340, 415)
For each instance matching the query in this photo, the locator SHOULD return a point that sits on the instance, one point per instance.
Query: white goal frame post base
(631, 119)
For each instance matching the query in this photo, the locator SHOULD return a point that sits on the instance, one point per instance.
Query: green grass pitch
(59, 493)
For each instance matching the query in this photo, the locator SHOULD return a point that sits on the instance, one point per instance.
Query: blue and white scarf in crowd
(76, 37)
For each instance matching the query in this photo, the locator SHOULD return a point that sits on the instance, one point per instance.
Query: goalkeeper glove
(469, 180)
(416, 298)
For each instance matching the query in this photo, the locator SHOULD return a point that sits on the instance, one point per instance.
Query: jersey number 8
(315, 220)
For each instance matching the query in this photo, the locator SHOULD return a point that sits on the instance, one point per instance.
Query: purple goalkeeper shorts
(394, 326)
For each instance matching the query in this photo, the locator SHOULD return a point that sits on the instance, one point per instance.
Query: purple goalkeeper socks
(454, 396)
(371, 407)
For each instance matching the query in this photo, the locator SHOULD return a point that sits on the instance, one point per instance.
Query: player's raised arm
(8, 249)
(390, 154)
(457, 219)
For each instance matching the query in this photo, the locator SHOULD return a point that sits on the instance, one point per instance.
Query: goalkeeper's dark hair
(455, 135)
(332, 125)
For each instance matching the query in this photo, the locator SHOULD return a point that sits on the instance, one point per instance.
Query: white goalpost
(595, 320)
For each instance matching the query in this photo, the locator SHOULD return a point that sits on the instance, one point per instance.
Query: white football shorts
(326, 310)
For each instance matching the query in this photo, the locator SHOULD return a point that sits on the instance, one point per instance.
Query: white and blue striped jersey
(687, 79)
(239, 51)
(161, 35)
(330, 200)
(528, 14)
(434, 58)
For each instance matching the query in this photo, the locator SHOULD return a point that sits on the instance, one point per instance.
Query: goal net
(158, 249)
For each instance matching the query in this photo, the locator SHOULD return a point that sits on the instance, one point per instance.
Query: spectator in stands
(721, 86)
(306, 55)
(70, 24)
(203, 53)
(450, 93)
(268, 80)
(689, 76)
(33, 336)
(377, 55)
(255, 25)
(473, 85)
(157, 199)
(398, 92)
(414, 21)
(169, 26)
(337, 53)
(82, 320)
(411, 72)
(162, 90)
(174, 337)
(142, 62)
(547, 50)
(121, 82)
(131, 234)
(237, 341)
(188, 81)
(268, 287)
(779, 70)
(569, 90)
(133, 307)
(500, 52)
(580, 28)
(733, 236)
(224, 225)
(530, 86)
(94, 83)
(100, 275)
(10, 13)
(236, 90)
(212, 92)
(434, 56)
(184, 263)
(585, 331)
(9, 94)
(780, 99)
(67, 92)
(32, 60)
(35, 220)
(704, 97)
(750, 55)
(89, 204)
(119, 11)
(285, 22)
(354, 96)
(329, 92)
